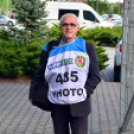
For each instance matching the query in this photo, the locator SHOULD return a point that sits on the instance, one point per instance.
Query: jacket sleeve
(39, 76)
(94, 72)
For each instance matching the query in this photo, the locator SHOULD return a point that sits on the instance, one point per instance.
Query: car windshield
(104, 15)
(5, 17)
(98, 16)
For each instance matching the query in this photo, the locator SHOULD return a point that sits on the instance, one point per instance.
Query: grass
(3, 6)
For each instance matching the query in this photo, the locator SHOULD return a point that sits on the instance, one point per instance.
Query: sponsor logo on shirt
(80, 61)
(60, 63)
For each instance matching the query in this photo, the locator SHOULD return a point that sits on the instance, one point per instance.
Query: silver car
(117, 60)
(4, 20)
(105, 16)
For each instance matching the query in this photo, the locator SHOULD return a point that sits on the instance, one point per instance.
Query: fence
(127, 71)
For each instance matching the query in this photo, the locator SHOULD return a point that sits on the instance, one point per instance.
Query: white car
(116, 16)
(117, 61)
(87, 16)
(4, 20)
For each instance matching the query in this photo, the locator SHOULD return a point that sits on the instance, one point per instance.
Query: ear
(78, 27)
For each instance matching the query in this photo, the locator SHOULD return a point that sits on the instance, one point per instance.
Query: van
(87, 16)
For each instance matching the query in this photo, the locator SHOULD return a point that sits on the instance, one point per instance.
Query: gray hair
(68, 14)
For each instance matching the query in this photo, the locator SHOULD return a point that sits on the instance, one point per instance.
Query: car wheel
(10, 23)
(117, 73)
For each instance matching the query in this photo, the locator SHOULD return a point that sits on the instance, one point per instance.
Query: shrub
(17, 60)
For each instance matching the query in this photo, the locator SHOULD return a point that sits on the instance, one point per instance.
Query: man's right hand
(31, 102)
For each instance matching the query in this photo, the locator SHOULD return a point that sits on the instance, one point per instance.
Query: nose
(68, 26)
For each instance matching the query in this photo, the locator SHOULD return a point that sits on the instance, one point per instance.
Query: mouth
(68, 32)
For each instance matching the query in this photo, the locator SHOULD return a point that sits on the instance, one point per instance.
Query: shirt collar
(63, 43)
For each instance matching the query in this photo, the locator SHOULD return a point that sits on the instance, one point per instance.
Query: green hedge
(101, 34)
(18, 60)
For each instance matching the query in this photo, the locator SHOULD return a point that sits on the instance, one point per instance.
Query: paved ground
(18, 116)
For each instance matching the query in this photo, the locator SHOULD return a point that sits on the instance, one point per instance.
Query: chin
(69, 37)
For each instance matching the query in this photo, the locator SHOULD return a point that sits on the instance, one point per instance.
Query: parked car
(117, 60)
(114, 19)
(4, 20)
(118, 22)
(116, 16)
(87, 16)
(105, 16)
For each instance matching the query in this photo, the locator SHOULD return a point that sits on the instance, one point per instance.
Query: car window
(1, 16)
(88, 16)
(64, 11)
(105, 15)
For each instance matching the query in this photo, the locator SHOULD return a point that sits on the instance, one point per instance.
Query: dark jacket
(82, 108)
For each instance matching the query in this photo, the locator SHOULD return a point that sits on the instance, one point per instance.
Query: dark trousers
(63, 121)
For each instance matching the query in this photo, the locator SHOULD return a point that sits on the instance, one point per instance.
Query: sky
(115, 0)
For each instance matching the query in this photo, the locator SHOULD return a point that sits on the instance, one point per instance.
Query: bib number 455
(67, 77)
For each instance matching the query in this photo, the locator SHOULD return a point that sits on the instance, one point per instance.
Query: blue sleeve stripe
(45, 47)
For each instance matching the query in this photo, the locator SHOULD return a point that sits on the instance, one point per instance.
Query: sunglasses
(71, 25)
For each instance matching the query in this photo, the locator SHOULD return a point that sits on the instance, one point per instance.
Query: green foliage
(102, 57)
(9, 61)
(4, 34)
(56, 33)
(20, 49)
(31, 14)
(100, 34)
(99, 6)
(3, 6)
(31, 57)
(105, 7)
(17, 60)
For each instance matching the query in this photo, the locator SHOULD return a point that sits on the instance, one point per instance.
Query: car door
(2, 20)
(89, 19)
(64, 11)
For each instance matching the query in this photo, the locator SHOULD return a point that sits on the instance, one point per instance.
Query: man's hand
(31, 102)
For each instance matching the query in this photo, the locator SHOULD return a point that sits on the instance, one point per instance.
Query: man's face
(69, 28)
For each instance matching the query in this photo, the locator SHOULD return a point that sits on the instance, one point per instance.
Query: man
(73, 73)
(10, 15)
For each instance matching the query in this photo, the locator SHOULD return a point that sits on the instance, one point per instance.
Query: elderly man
(73, 73)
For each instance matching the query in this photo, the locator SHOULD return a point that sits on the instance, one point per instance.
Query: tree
(31, 14)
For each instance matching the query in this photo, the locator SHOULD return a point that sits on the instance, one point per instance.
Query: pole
(128, 116)
(119, 7)
(7, 6)
(97, 6)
